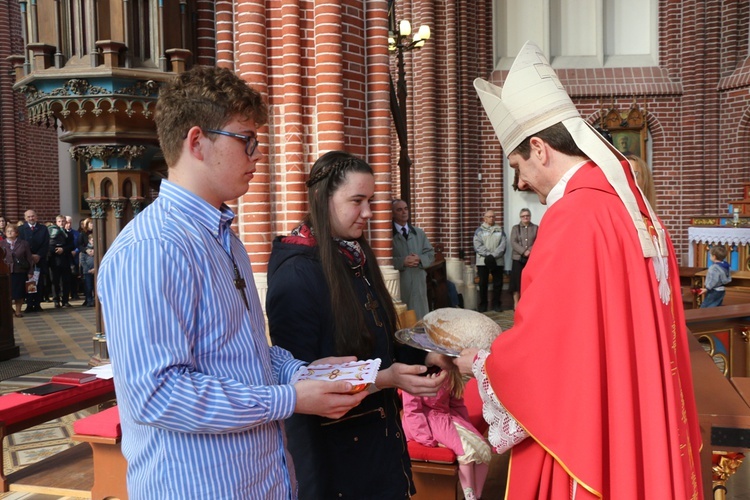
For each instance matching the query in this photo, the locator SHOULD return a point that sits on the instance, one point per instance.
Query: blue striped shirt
(200, 392)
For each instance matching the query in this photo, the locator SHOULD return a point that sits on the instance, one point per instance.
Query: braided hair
(352, 337)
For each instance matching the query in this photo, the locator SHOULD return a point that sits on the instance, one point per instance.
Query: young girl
(443, 420)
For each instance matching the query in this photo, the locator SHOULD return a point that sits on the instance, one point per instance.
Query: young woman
(326, 297)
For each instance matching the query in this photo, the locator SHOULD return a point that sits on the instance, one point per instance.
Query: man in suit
(60, 260)
(37, 236)
(412, 253)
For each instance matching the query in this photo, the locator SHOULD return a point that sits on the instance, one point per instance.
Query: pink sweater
(429, 420)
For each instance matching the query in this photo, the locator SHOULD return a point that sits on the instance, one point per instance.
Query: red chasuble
(596, 367)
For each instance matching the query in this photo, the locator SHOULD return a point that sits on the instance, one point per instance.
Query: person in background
(412, 254)
(522, 238)
(717, 276)
(87, 267)
(326, 297)
(75, 269)
(489, 245)
(591, 389)
(60, 260)
(201, 395)
(37, 236)
(644, 178)
(85, 229)
(19, 259)
(3, 222)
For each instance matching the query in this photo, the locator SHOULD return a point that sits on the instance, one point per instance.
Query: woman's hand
(411, 379)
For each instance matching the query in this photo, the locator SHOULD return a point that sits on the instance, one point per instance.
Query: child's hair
(719, 252)
(456, 384)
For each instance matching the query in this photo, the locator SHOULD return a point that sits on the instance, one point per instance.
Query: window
(579, 33)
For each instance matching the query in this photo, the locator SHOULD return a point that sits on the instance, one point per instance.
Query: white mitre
(532, 100)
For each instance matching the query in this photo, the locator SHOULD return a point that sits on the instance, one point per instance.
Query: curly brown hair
(207, 97)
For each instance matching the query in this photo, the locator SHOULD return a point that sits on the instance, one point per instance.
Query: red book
(73, 378)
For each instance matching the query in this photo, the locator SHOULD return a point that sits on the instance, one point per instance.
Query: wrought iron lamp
(400, 40)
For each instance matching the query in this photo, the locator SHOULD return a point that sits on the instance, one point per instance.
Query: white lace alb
(505, 431)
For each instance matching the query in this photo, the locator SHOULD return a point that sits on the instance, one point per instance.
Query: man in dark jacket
(38, 238)
(60, 259)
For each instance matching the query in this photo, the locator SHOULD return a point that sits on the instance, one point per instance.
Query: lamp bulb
(424, 32)
(404, 28)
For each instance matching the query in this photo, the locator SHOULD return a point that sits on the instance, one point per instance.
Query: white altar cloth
(712, 234)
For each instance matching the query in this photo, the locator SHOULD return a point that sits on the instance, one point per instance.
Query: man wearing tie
(37, 236)
(412, 253)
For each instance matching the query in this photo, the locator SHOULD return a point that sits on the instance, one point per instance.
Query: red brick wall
(323, 65)
(29, 177)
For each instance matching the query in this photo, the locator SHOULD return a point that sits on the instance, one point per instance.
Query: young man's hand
(327, 399)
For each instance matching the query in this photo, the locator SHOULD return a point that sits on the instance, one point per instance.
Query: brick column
(329, 89)
(255, 208)
(292, 170)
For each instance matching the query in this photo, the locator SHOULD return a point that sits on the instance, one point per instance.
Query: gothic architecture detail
(104, 153)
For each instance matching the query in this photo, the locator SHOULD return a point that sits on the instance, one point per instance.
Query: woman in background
(19, 260)
(644, 178)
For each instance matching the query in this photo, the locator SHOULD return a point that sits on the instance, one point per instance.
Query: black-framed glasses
(251, 141)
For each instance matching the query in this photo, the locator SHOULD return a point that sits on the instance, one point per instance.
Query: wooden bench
(19, 412)
(435, 472)
(738, 290)
(103, 433)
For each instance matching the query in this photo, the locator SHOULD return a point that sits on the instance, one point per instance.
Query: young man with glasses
(201, 395)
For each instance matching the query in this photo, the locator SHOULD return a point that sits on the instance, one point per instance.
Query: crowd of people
(50, 262)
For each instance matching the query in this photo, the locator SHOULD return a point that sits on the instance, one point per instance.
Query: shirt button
(398, 434)
(356, 439)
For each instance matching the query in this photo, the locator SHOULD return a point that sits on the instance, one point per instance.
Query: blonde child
(443, 420)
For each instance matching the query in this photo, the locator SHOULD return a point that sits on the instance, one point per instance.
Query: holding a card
(326, 297)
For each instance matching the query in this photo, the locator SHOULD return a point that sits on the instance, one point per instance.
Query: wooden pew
(738, 290)
(103, 433)
(723, 414)
(19, 412)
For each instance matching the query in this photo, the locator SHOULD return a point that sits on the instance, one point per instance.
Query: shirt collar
(399, 226)
(558, 190)
(196, 208)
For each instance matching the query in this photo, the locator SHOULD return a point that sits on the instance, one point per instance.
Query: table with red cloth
(19, 412)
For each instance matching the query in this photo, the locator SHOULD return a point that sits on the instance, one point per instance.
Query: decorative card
(358, 373)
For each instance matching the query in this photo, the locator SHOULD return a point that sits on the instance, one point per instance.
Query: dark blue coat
(38, 240)
(363, 454)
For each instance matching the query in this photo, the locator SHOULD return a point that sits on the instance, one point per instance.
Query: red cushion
(473, 402)
(15, 407)
(436, 454)
(105, 424)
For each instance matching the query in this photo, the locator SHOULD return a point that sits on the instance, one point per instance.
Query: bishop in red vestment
(595, 371)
